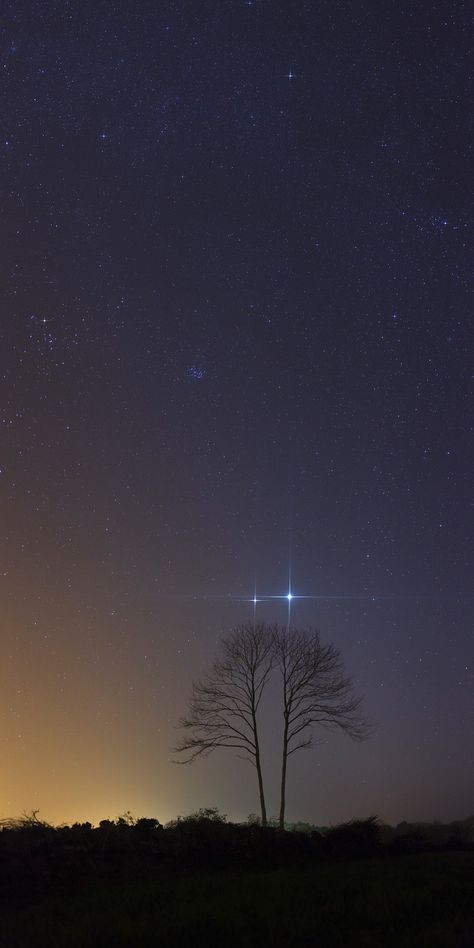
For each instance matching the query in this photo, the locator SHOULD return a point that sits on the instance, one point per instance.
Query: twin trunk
(281, 823)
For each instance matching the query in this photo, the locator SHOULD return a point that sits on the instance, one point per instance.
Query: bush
(358, 838)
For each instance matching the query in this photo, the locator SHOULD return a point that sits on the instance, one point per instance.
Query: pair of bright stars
(290, 598)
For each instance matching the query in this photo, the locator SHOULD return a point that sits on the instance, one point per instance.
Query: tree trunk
(259, 770)
(283, 776)
(260, 789)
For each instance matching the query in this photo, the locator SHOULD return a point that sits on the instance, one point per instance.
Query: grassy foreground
(413, 901)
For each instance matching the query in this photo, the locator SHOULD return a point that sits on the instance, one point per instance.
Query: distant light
(289, 597)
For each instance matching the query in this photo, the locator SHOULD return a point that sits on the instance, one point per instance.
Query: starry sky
(236, 289)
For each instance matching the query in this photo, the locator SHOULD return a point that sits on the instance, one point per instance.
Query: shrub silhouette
(354, 839)
(147, 827)
(36, 856)
(203, 835)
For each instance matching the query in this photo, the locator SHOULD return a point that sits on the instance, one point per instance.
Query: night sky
(236, 289)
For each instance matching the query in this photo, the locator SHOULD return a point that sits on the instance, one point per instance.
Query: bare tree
(223, 706)
(315, 692)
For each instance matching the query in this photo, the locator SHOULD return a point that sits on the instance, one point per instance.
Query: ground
(411, 901)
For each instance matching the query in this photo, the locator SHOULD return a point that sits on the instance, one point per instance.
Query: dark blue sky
(236, 281)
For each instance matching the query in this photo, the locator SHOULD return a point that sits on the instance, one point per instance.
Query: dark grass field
(424, 900)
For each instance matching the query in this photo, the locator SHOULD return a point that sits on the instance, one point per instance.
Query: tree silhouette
(315, 692)
(224, 705)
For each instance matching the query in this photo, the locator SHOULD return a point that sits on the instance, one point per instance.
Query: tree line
(223, 709)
